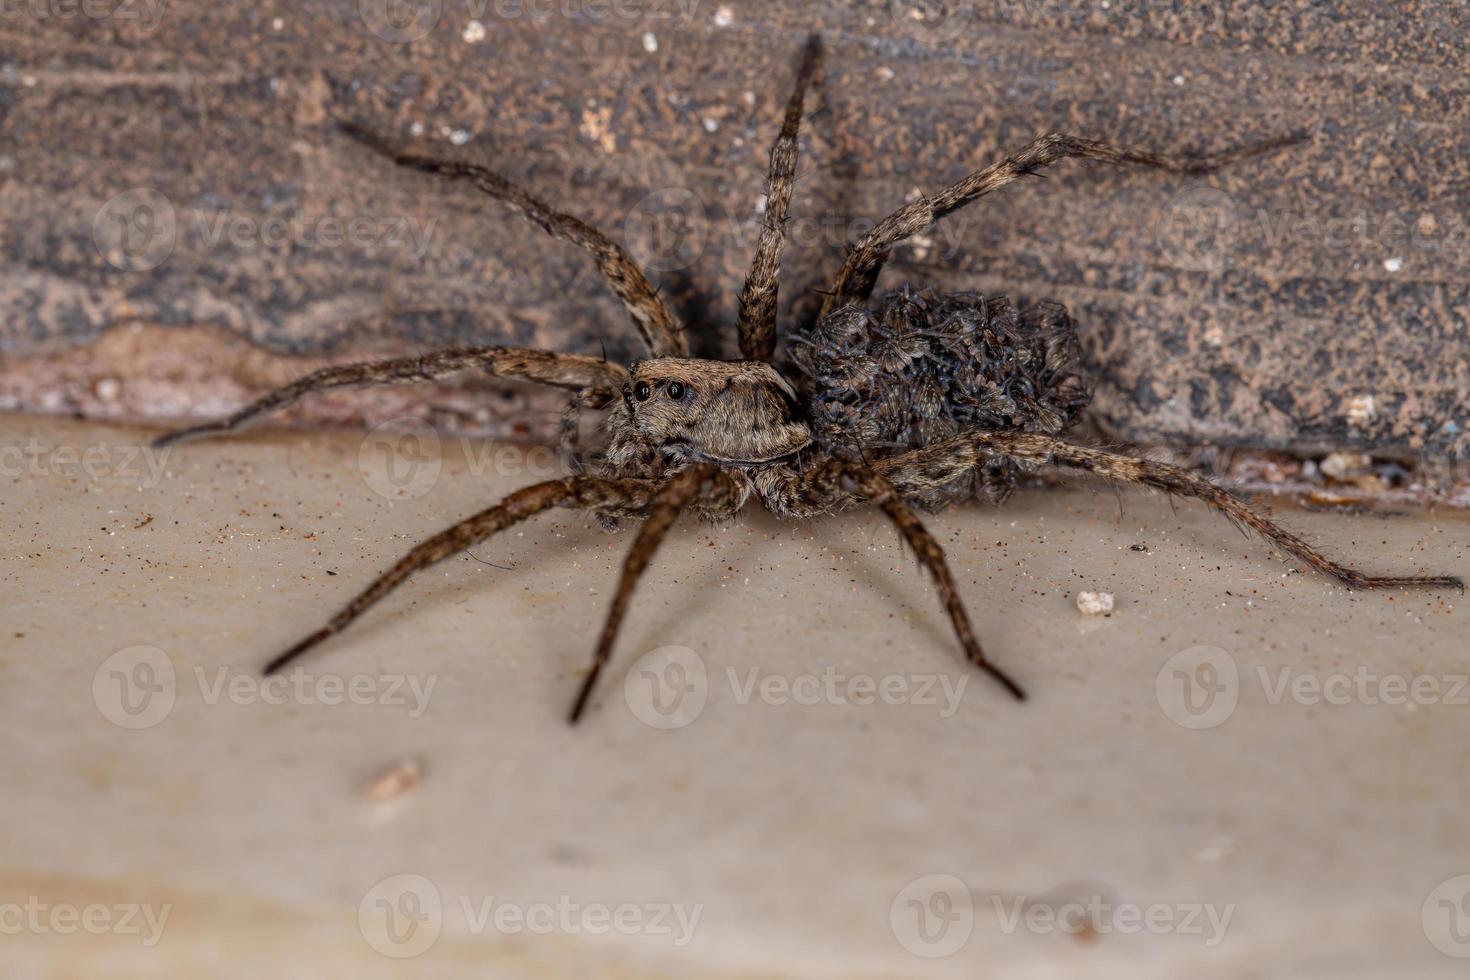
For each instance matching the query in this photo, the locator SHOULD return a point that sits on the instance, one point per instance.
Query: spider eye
(676, 390)
(643, 391)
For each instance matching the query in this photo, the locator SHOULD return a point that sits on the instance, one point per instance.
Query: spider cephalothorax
(919, 399)
(733, 413)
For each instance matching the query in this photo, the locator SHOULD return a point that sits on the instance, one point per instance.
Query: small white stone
(416, 129)
(650, 42)
(459, 137)
(1095, 603)
(1394, 264)
(277, 24)
(474, 32)
(711, 124)
(724, 16)
(1343, 466)
(1178, 79)
(1362, 409)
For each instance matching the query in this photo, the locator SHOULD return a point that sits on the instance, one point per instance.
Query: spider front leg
(610, 496)
(944, 461)
(661, 331)
(571, 371)
(854, 284)
(759, 294)
(664, 510)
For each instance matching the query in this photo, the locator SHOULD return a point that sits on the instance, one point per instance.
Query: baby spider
(916, 399)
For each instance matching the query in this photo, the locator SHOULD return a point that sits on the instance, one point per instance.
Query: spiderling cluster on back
(917, 368)
(919, 399)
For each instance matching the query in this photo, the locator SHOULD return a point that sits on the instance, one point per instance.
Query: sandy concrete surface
(1243, 771)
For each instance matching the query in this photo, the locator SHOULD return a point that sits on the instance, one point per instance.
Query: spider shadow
(874, 576)
(699, 590)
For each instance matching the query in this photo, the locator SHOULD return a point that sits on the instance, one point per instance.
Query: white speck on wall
(1095, 603)
(748, 96)
(885, 73)
(1178, 79)
(711, 124)
(650, 42)
(1394, 264)
(1362, 409)
(416, 129)
(277, 24)
(724, 16)
(597, 126)
(459, 137)
(474, 32)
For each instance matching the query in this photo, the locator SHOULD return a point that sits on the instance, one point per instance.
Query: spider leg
(572, 371)
(860, 271)
(882, 494)
(942, 460)
(661, 331)
(758, 296)
(663, 511)
(575, 491)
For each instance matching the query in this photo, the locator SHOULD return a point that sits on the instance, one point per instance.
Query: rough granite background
(181, 226)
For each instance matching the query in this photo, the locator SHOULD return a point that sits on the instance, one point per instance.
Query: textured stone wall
(180, 223)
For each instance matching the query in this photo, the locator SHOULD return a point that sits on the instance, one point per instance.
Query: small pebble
(1095, 603)
(1345, 466)
(1362, 409)
(403, 776)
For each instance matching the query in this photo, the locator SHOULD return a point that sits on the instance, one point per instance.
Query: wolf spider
(916, 400)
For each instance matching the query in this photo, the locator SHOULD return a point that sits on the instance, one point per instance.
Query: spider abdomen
(919, 366)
